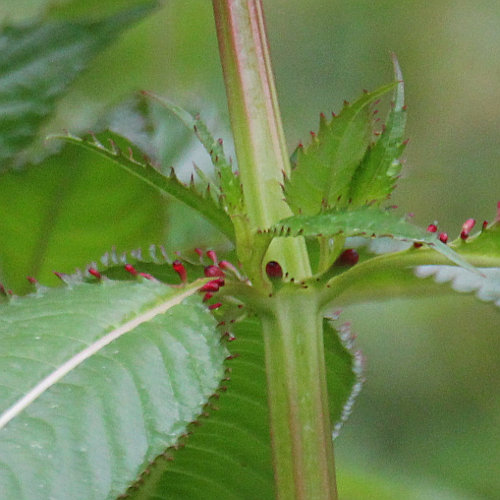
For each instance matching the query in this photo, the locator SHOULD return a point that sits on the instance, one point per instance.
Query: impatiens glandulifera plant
(217, 375)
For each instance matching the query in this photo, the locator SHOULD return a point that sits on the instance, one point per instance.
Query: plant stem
(293, 333)
(256, 124)
(298, 399)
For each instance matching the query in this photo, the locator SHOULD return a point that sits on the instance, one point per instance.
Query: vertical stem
(293, 334)
(256, 123)
(298, 399)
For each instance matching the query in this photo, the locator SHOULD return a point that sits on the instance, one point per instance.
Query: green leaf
(228, 454)
(324, 170)
(230, 185)
(38, 61)
(55, 216)
(136, 163)
(368, 222)
(398, 274)
(97, 380)
(374, 179)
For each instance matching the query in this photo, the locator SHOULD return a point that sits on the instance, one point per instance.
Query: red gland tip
(274, 270)
(443, 237)
(207, 296)
(213, 271)
(485, 224)
(131, 269)
(215, 306)
(94, 272)
(467, 228)
(147, 276)
(224, 264)
(432, 228)
(199, 251)
(212, 256)
(211, 286)
(348, 257)
(180, 270)
(32, 280)
(417, 244)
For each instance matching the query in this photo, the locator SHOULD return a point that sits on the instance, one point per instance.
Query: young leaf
(137, 164)
(367, 222)
(374, 179)
(98, 379)
(229, 183)
(38, 61)
(228, 456)
(324, 170)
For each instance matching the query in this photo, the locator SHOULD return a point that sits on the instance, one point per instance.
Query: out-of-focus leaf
(230, 186)
(55, 216)
(38, 61)
(324, 170)
(96, 380)
(134, 162)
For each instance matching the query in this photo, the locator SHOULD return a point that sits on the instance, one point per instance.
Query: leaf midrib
(77, 359)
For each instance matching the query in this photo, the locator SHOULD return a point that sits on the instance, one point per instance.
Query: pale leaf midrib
(69, 365)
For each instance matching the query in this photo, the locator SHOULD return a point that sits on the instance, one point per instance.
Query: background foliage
(428, 415)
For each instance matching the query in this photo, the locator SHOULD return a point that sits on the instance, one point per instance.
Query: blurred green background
(428, 417)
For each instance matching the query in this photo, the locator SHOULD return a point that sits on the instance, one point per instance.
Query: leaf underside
(38, 61)
(90, 435)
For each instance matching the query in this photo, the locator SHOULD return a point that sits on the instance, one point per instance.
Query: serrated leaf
(395, 274)
(485, 286)
(324, 170)
(374, 179)
(88, 435)
(55, 216)
(134, 162)
(368, 222)
(38, 61)
(230, 185)
(228, 455)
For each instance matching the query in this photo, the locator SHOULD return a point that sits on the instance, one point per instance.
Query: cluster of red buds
(217, 270)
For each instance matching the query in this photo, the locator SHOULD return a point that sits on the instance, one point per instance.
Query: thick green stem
(256, 124)
(295, 365)
(298, 401)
